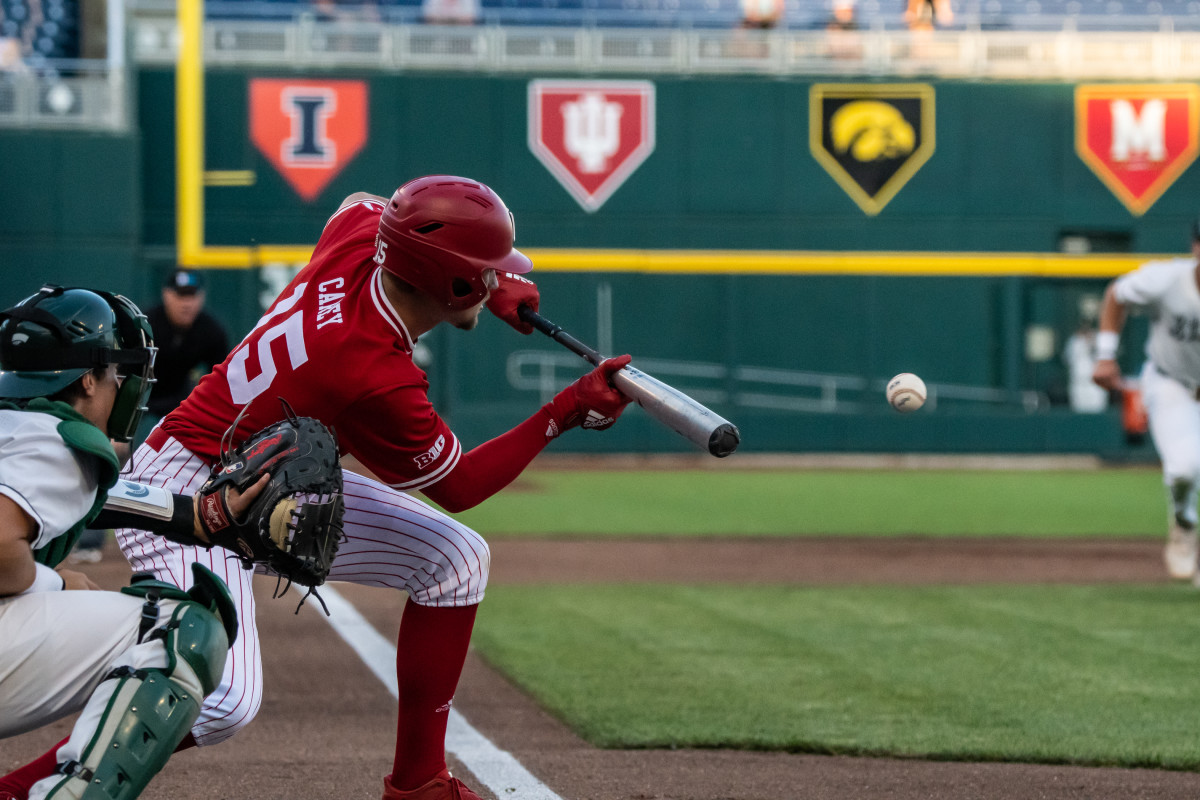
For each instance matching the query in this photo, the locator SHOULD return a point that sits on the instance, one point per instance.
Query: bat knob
(724, 440)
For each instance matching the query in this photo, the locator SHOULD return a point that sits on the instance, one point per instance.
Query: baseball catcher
(294, 524)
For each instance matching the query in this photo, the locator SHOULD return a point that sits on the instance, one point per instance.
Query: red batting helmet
(439, 233)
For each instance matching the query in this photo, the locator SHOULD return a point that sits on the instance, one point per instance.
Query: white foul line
(496, 768)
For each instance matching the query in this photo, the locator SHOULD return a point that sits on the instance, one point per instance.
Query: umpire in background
(190, 340)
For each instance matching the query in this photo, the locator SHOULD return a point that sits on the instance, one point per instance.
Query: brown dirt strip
(327, 725)
(827, 560)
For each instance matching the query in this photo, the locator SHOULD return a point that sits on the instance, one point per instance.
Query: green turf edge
(1092, 675)
(1080, 503)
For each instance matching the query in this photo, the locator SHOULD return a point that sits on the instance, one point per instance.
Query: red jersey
(335, 349)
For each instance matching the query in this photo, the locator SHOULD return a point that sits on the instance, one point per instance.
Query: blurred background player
(383, 273)
(1169, 293)
(75, 369)
(1079, 355)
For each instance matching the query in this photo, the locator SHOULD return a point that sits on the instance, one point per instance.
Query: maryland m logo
(591, 135)
(1137, 139)
(308, 130)
(871, 137)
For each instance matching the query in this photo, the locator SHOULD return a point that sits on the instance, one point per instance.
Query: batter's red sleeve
(491, 466)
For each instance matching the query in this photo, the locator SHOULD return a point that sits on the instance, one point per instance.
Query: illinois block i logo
(591, 135)
(308, 130)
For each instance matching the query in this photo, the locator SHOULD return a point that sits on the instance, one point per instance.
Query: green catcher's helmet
(51, 339)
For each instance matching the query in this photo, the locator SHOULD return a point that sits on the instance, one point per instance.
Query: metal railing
(81, 95)
(1022, 55)
(767, 388)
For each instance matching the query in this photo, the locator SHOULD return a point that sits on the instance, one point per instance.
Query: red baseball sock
(432, 647)
(21, 780)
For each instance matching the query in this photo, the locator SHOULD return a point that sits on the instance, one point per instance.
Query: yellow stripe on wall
(777, 262)
(750, 262)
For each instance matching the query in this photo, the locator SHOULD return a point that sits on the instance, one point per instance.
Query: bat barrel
(694, 422)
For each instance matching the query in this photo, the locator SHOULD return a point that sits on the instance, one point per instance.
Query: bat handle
(556, 333)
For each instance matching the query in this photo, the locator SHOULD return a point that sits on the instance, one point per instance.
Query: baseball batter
(75, 369)
(1169, 293)
(337, 344)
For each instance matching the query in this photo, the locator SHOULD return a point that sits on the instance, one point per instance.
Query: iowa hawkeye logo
(1137, 139)
(871, 137)
(308, 130)
(591, 135)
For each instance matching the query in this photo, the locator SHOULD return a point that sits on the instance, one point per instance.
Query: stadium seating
(1034, 15)
(48, 30)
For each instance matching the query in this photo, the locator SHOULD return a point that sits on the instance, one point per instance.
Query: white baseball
(906, 392)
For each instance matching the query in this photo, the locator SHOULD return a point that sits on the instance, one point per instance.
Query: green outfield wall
(797, 360)
(731, 168)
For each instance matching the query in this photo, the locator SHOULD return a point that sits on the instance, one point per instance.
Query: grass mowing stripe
(1072, 674)
(798, 502)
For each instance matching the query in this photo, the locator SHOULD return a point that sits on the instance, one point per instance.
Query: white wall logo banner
(591, 135)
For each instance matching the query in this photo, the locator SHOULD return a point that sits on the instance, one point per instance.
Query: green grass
(805, 502)
(1090, 675)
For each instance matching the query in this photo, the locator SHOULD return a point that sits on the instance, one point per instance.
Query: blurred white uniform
(1170, 378)
(1079, 354)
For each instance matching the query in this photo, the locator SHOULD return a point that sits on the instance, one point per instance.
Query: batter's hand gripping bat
(668, 405)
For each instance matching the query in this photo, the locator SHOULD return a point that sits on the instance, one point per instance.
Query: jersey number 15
(243, 388)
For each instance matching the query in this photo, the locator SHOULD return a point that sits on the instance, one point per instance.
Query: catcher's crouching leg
(139, 714)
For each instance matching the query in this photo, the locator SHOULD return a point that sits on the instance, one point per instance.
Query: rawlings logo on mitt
(294, 527)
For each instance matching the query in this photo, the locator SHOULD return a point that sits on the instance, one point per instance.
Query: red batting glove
(512, 293)
(592, 401)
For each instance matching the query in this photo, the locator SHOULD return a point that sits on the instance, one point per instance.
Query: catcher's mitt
(295, 526)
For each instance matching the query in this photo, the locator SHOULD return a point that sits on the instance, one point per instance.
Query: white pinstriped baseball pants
(392, 539)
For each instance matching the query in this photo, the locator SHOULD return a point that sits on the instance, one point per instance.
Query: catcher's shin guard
(145, 713)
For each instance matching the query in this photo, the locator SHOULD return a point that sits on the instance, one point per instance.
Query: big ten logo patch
(308, 130)
(1137, 139)
(591, 135)
(431, 455)
(871, 138)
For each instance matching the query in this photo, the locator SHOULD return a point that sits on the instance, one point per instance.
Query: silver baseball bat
(698, 424)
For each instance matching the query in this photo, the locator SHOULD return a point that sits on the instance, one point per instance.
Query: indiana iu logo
(1137, 138)
(308, 130)
(591, 135)
(872, 137)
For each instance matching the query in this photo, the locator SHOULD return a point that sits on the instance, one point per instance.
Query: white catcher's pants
(56, 647)
(392, 539)
(1174, 416)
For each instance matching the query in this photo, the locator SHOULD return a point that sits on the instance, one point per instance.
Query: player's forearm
(1112, 312)
(181, 527)
(491, 466)
(1112, 320)
(17, 567)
